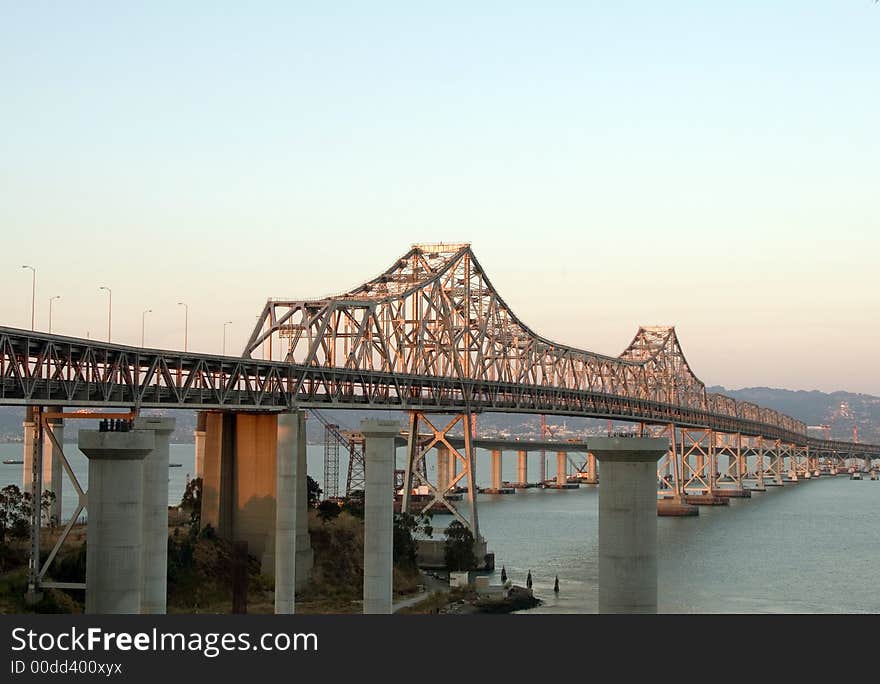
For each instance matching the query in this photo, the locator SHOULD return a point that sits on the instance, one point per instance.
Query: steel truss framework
(415, 473)
(429, 334)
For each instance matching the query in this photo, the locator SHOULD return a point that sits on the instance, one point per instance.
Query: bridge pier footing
(628, 523)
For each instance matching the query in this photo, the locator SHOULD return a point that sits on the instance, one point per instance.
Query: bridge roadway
(40, 369)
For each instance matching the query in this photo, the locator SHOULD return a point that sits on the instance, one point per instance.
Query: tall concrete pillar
(286, 489)
(442, 468)
(561, 468)
(114, 536)
(155, 515)
(496, 469)
(628, 522)
(591, 468)
(200, 434)
(542, 467)
(305, 557)
(522, 467)
(52, 466)
(378, 514)
(453, 469)
(218, 478)
(29, 431)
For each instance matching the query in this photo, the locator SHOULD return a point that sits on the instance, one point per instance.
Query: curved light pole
(224, 336)
(185, 324)
(33, 293)
(52, 299)
(109, 309)
(144, 323)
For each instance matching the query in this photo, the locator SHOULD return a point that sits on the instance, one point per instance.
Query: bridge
(428, 336)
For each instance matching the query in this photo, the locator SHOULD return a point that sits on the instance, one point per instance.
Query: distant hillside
(841, 411)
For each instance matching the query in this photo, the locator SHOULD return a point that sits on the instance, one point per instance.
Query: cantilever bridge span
(429, 334)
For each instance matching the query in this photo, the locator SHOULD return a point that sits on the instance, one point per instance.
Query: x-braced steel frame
(416, 472)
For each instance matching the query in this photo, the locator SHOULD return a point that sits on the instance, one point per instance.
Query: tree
(459, 551)
(15, 511)
(47, 498)
(314, 492)
(192, 502)
(406, 526)
(327, 510)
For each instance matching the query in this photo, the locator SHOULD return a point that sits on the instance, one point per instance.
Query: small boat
(12, 461)
(174, 465)
(855, 475)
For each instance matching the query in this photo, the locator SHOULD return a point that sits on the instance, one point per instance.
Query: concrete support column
(453, 468)
(379, 450)
(305, 556)
(288, 473)
(29, 431)
(496, 469)
(200, 435)
(591, 468)
(442, 468)
(542, 467)
(562, 468)
(522, 467)
(628, 522)
(53, 470)
(155, 515)
(114, 563)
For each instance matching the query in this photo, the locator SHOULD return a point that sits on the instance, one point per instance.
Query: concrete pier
(379, 450)
(561, 468)
(53, 470)
(496, 470)
(29, 432)
(155, 515)
(522, 467)
(288, 473)
(239, 490)
(114, 563)
(628, 522)
(591, 470)
(200, 435)
(305, 556)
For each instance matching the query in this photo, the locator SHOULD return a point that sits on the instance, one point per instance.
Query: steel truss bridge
(430, 334)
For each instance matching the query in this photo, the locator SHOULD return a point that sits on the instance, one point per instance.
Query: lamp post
(144, 323)
(33, 292)
(109, 309)
(52, 299)
(185, 324)
(224, 336)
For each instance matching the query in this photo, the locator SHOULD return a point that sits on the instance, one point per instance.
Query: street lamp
(109, 309)
(185, 324)
(52, 299)
(33, 292)
(224, 336)
(144, 323)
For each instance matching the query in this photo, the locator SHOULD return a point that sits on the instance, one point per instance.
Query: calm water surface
(813, 547)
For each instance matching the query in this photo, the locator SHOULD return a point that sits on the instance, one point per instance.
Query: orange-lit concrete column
(522, 467)
(52, 466)
(561, 468)
(199, 434)
(496, 469)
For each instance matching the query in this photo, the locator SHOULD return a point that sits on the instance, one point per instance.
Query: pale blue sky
(709, 165)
